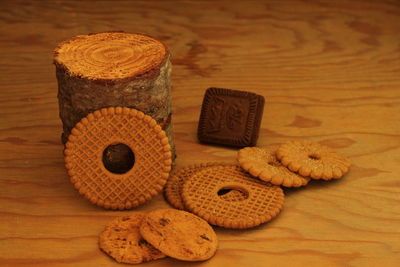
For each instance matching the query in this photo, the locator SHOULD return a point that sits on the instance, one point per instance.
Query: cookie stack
(224, 195)
(141, 237)
(246, 195)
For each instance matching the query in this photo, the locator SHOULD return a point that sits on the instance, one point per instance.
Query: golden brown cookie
(93, 135)
(201, 195)
(312, 159)
(262, 163)
(122, 241)
(173, 187)
(179, 234)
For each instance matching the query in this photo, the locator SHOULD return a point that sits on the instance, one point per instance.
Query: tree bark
(113, 69)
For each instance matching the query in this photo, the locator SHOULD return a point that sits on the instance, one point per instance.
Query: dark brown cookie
(230, 117)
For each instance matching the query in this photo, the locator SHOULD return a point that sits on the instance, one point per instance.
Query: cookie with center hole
(179, 234)
(262, 162)
(312, 159)
(121, 240)
(232, 195)
(90, 147)
(202, 192)
(173, 187)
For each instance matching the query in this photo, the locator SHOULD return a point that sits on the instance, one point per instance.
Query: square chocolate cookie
(230, 117)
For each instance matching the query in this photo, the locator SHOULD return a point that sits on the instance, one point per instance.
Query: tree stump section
(113, 69)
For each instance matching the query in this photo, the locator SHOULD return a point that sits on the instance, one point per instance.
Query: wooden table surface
(329, 71)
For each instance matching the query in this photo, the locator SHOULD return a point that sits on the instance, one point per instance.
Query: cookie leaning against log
(200, 194)
(312, 159)
(173, 187)
(262, 163)
(179, 234)
(107, 127)
(122, 241)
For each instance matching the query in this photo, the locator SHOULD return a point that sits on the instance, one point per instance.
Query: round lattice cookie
(262, 163)
(312, 159)
(108, 127)
(173, 187)
(201, 195)
(121, 240)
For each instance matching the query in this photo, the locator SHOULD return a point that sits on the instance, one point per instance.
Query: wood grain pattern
(330, 73)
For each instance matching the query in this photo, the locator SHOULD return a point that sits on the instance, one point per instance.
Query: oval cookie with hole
(261, 162)
(203, 195)
(179, 234)
(312, 159)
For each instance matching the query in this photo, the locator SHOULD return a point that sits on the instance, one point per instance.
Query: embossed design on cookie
(234, 116)
(230, 117)
(216, 115)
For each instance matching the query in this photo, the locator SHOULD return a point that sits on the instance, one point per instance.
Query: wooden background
(330, 73)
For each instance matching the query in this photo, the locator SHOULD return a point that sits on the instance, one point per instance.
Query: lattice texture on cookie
(234, 195)
(84, 151)
(200, 194)
(173, 187)
(313, 159)
(262, 163)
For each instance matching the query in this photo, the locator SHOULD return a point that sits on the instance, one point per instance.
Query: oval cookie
(312, 159)
(179, 234)
(262, 163)
(122, 241)
(108, 127)
(201, 195)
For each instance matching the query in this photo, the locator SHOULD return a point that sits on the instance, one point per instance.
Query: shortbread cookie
(173, 187)
(312, 159)
(262, 163)
(179, 234)
(200, 194)
(122, 241)
(108, 127)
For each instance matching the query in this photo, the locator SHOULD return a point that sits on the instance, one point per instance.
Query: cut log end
(111, 56)
(113, 69)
